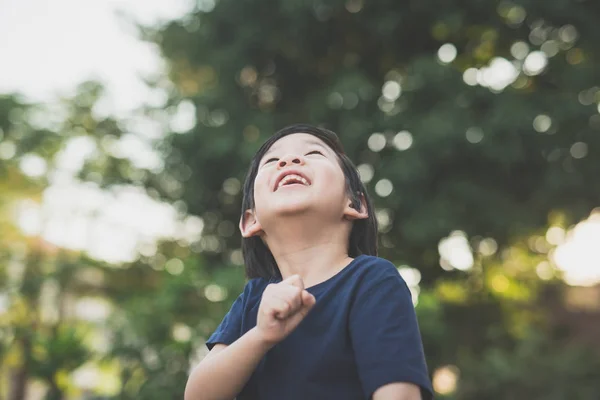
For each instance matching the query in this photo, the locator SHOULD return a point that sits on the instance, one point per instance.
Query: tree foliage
(477, 117)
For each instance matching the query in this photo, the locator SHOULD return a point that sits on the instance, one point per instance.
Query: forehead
(297, 140)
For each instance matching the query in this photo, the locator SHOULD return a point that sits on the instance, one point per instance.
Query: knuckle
(270, 289)
(297, 292)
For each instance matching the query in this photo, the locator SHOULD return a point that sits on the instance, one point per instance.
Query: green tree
(34, 343)
(41, 338)
(479, 116)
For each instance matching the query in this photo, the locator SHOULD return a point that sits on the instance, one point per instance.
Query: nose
(290, 159)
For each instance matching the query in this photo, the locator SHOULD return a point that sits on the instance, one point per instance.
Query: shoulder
(257, 284)
(254, 289)
(375, 269)
(373, 274)
(375, 266)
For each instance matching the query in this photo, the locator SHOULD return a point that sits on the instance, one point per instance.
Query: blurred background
(126, 128)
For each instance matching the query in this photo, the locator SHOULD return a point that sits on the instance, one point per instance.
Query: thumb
(308, 302)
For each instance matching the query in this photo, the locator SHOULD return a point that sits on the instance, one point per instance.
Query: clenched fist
(282, 307)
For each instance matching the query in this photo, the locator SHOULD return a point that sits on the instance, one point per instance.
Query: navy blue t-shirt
(361, 334)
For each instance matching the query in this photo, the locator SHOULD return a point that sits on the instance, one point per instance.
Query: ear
(351, 213)
(249, 225)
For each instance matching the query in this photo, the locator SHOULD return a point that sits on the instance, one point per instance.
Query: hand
(282, 307)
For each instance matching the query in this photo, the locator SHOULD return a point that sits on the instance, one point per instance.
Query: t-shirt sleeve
(229, 330)
(385, 334)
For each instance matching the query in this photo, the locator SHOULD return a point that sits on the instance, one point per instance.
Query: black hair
(258, 259)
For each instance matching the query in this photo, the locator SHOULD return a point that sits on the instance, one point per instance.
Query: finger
(308, 302)
(297, 317)
(290, 294)
(278, 308)
(294, 280)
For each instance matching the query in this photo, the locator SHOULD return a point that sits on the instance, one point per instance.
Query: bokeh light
(474, 134)
(182, 332)
(384, 187)
(542, 123)
(455, 251)
(498, 74)
(391, 90)
(412, 277)
(535, 63)
(366, 172)
(376, 142)
(215, 293)
(403, 140)
(579, 150)
(487, 247)
(579, 256)
(519, 50)
(33, 165)
(445, 379)
(447, 53)
(470, 76)
(7, 150)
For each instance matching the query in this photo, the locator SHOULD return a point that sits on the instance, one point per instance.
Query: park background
(126, 128)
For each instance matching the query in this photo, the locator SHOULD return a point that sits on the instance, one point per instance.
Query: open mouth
(291, 180)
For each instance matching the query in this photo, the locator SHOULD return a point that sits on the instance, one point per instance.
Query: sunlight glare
(33, 165)
(92, 309)
(76, 151)
(110, 226)
(579, 256)
(184, 118)
(29, 217)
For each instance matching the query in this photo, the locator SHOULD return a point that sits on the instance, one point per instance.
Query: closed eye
(271, 160)
(314, 152)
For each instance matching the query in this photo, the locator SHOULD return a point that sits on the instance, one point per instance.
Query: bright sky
(50, 46)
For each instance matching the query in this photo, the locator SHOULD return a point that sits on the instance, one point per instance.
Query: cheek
(334, 182)
(332, 185)
(260, 187)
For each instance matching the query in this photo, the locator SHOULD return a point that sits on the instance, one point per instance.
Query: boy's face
(299, 175)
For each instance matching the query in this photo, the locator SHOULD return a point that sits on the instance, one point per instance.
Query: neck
(314, 254)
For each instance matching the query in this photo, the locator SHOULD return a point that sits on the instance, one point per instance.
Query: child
(322, 316)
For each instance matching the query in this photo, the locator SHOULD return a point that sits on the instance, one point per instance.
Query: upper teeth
(292, 177)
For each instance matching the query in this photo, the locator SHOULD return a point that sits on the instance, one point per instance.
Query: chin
(291, 208)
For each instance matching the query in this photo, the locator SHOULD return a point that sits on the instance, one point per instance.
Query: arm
(226, 369)
(398, 391)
